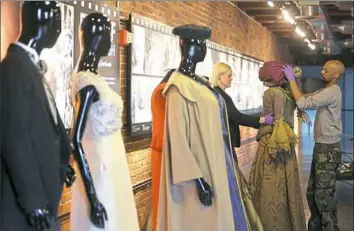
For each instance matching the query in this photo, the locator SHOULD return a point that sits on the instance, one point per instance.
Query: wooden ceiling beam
(252, 5)
(279, 23)
(267, 18)
(279, 26)
(284, 33)
(269, 11)
(285, 30)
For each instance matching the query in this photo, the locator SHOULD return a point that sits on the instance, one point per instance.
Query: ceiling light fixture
(270, 3)
(309, 44)
(300, 32)
(312, 47)
(287, 16)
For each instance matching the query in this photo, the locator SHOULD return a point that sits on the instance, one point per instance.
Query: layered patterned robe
(274, 176)
(193, 148)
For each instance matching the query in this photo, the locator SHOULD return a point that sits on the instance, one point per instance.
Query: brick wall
(230, 27)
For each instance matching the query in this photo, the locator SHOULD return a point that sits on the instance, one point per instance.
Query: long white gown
(106, 156)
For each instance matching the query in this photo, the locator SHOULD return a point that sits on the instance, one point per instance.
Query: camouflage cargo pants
(322, 186)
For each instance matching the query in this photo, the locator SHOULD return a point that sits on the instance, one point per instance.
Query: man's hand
(289, 72)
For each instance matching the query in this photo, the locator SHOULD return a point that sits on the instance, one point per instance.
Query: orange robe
(158, 122)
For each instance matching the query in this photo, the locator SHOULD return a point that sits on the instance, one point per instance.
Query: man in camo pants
(322, 186)
(327, 152)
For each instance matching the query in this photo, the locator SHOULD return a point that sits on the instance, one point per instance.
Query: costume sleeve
(318, 100)
(183, 162)
(17, 149)
(243, 119)
(80, 81)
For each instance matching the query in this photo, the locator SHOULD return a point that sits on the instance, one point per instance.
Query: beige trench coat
(193, 148)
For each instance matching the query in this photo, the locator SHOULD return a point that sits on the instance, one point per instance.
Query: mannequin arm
(84, 100)
(240, 118)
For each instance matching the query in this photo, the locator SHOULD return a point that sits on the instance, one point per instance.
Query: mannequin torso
(194, 51)
(95, 42)
(41, 27)
(99, 148)
(38, 34)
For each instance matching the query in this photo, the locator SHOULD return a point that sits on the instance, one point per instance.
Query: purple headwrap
(272, 73)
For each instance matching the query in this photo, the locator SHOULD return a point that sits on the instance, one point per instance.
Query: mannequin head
(95, 41)
(193, 49)
(192, 40)
(41, 24)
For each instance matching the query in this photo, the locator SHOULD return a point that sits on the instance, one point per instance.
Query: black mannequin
(167, 76)
(95, 39)
(44, 31)
(194, 51)
(41, 27)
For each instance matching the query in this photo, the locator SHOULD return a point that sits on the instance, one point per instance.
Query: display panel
(62, 58)
(60, 63)
(155, 50)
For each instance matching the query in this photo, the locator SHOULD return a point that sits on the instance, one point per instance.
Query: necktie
(43, 68)
(51, 100)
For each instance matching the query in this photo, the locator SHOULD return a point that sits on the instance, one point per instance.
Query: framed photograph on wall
(154, 50)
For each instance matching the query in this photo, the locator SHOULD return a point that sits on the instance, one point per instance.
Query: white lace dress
(106, 156)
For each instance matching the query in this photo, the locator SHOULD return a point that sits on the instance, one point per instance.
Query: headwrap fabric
(272, 73)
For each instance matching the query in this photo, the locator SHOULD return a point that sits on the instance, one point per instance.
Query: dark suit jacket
(236, 118)
(34, 150)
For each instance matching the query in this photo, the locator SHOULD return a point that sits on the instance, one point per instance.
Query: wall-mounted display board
(62, 58)
(155, 50)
